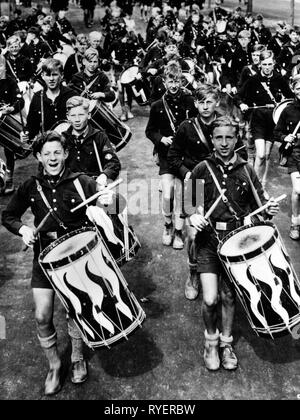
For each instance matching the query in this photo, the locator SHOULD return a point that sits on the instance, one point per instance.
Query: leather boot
(79, 371)
(211, 351)
(124, 116)
(52, 383)
(191, 290)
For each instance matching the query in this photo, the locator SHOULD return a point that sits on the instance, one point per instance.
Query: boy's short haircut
(75, 101)
(244, 34)
(95, 35)
(225, 121)
(173, 70)
(82, 39)
(205, 90)
(12, 40)
(258, 48)
(48, 136)
(265, 54)
(91, 53)
(294, 80)
(52, 64)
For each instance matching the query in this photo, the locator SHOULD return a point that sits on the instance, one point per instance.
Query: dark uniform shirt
(82, 156)
(231, 177)
(73, 65)
(253, 93)
(188, 149)
(54, 111)
(38, 51)
(261, 36)
(182, 106)
(81, 80)
(8, 94)
(20, 68)
(62, 197)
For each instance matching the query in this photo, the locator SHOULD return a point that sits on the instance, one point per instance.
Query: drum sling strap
(51, 210)
(200, 133)
(108, 228)
(11, 69)
(77, 62)
(169, 114)
(87, 87)
(224, 198)
(267, 89)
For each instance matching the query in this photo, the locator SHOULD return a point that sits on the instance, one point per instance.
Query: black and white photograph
(150, 202)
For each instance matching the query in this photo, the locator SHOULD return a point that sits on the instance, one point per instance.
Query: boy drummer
(224, 169)
(49, 189)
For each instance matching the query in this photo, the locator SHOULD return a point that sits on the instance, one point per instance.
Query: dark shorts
(208, 261)
(262, 125)
(164, 167)
(293, 162)
(39, 279)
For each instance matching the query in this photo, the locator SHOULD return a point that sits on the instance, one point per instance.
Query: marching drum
(129, 79)
(105, 119)
(91, 287)
(258, 264)
(279, 108)
(2, 175)
(10, 128)
(121, 241)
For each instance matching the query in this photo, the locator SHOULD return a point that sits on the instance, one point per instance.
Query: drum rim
(254, 253)
(73, 257)
(287, 101)
(128, 83)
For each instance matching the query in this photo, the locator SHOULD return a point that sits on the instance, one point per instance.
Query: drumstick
(214, 205)
(265, 206)
(42, 112)
(21, 115)
(98, 157)
(261, 106)
(39, 227)
(93, 197)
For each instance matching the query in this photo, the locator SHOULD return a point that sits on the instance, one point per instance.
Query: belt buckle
(221, 225)
(52, 235)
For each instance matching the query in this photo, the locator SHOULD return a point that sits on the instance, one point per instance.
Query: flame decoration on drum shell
(254, 296)
(76, 315)
(290, 275)
(88, 307)
(276, 289)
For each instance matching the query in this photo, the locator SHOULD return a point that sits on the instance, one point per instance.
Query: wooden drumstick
(213, 206)
(42, 112)
(97, 157)
(93, 197)
(265, 206)
(21, 115)
(39, 227)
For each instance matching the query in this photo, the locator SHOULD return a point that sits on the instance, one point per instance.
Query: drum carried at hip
(105, 119)
(10, 129)
(258, 264)
(129, 79)
(91, 287)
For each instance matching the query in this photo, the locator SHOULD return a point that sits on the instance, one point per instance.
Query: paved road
(163, 360)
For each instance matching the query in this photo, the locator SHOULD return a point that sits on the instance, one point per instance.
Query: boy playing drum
(53, 187)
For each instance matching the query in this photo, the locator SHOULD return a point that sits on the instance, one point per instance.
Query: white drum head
(129, 75)
(279, 108)
(61, 57)
(61, 127)
(69, 247)
(247, 240)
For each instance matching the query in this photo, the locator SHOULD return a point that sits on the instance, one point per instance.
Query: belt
(49, 235)
(227, 225)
